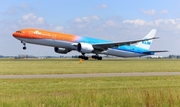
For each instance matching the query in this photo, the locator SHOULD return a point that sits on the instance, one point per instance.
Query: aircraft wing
(105, 46)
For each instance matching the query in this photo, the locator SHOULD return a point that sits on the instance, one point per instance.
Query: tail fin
(147, 43)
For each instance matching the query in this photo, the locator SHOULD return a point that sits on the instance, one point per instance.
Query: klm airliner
(64, 43)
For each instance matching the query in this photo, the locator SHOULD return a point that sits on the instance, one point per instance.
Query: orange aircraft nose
(14, 34)
(17, 34)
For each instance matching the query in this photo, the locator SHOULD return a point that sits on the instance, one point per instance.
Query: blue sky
(116, 20)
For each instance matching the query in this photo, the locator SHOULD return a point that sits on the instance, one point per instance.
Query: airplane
(64, 43)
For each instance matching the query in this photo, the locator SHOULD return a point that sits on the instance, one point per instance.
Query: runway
(88, 75)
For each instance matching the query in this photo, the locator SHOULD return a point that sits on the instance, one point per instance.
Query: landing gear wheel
(24, 48)
(83, 57)
(86, 58)
(97, 57)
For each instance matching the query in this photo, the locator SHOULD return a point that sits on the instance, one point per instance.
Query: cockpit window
(18, 31)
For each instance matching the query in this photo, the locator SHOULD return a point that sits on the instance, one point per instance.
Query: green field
(71, 66)
(155, 91)
(161, 91)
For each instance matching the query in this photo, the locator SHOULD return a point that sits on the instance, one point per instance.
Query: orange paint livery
(43, 34)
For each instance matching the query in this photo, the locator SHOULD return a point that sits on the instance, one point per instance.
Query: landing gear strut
(24, 47)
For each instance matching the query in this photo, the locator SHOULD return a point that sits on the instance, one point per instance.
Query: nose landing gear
(24, 47)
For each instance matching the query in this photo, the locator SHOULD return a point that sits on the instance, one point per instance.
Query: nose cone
(17, 34)
(14, 34)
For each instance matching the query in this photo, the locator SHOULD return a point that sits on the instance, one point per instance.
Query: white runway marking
(89, 75)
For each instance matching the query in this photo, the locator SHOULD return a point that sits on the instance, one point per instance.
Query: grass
(155, 91)
(163, 91)
(73, 66)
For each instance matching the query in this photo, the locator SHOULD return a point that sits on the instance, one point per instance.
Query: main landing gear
(97, 57)
(24, 47)
(83, 56)
(86, 58)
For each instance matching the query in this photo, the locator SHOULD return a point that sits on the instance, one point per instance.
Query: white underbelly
(49, 42)
(122, 53)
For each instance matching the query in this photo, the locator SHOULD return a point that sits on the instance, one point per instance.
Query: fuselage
(67, 41)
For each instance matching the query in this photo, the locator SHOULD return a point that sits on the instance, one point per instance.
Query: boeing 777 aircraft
(64, 43)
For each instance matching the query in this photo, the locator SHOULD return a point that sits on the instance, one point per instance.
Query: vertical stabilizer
(147, 43)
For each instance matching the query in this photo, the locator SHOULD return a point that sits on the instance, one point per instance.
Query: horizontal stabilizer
(152, 52)
(160, 51)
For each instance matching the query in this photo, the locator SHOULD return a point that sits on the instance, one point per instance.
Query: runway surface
(89, 75)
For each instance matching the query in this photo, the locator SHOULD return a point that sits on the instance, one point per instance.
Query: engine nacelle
(61, 50)
(85, 48)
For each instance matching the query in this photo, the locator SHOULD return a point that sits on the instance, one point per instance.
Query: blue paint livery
(126, 48)
(134, 49)
(91, 40)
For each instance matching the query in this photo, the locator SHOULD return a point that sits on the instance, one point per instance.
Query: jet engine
(85, 48)
(61, 50)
